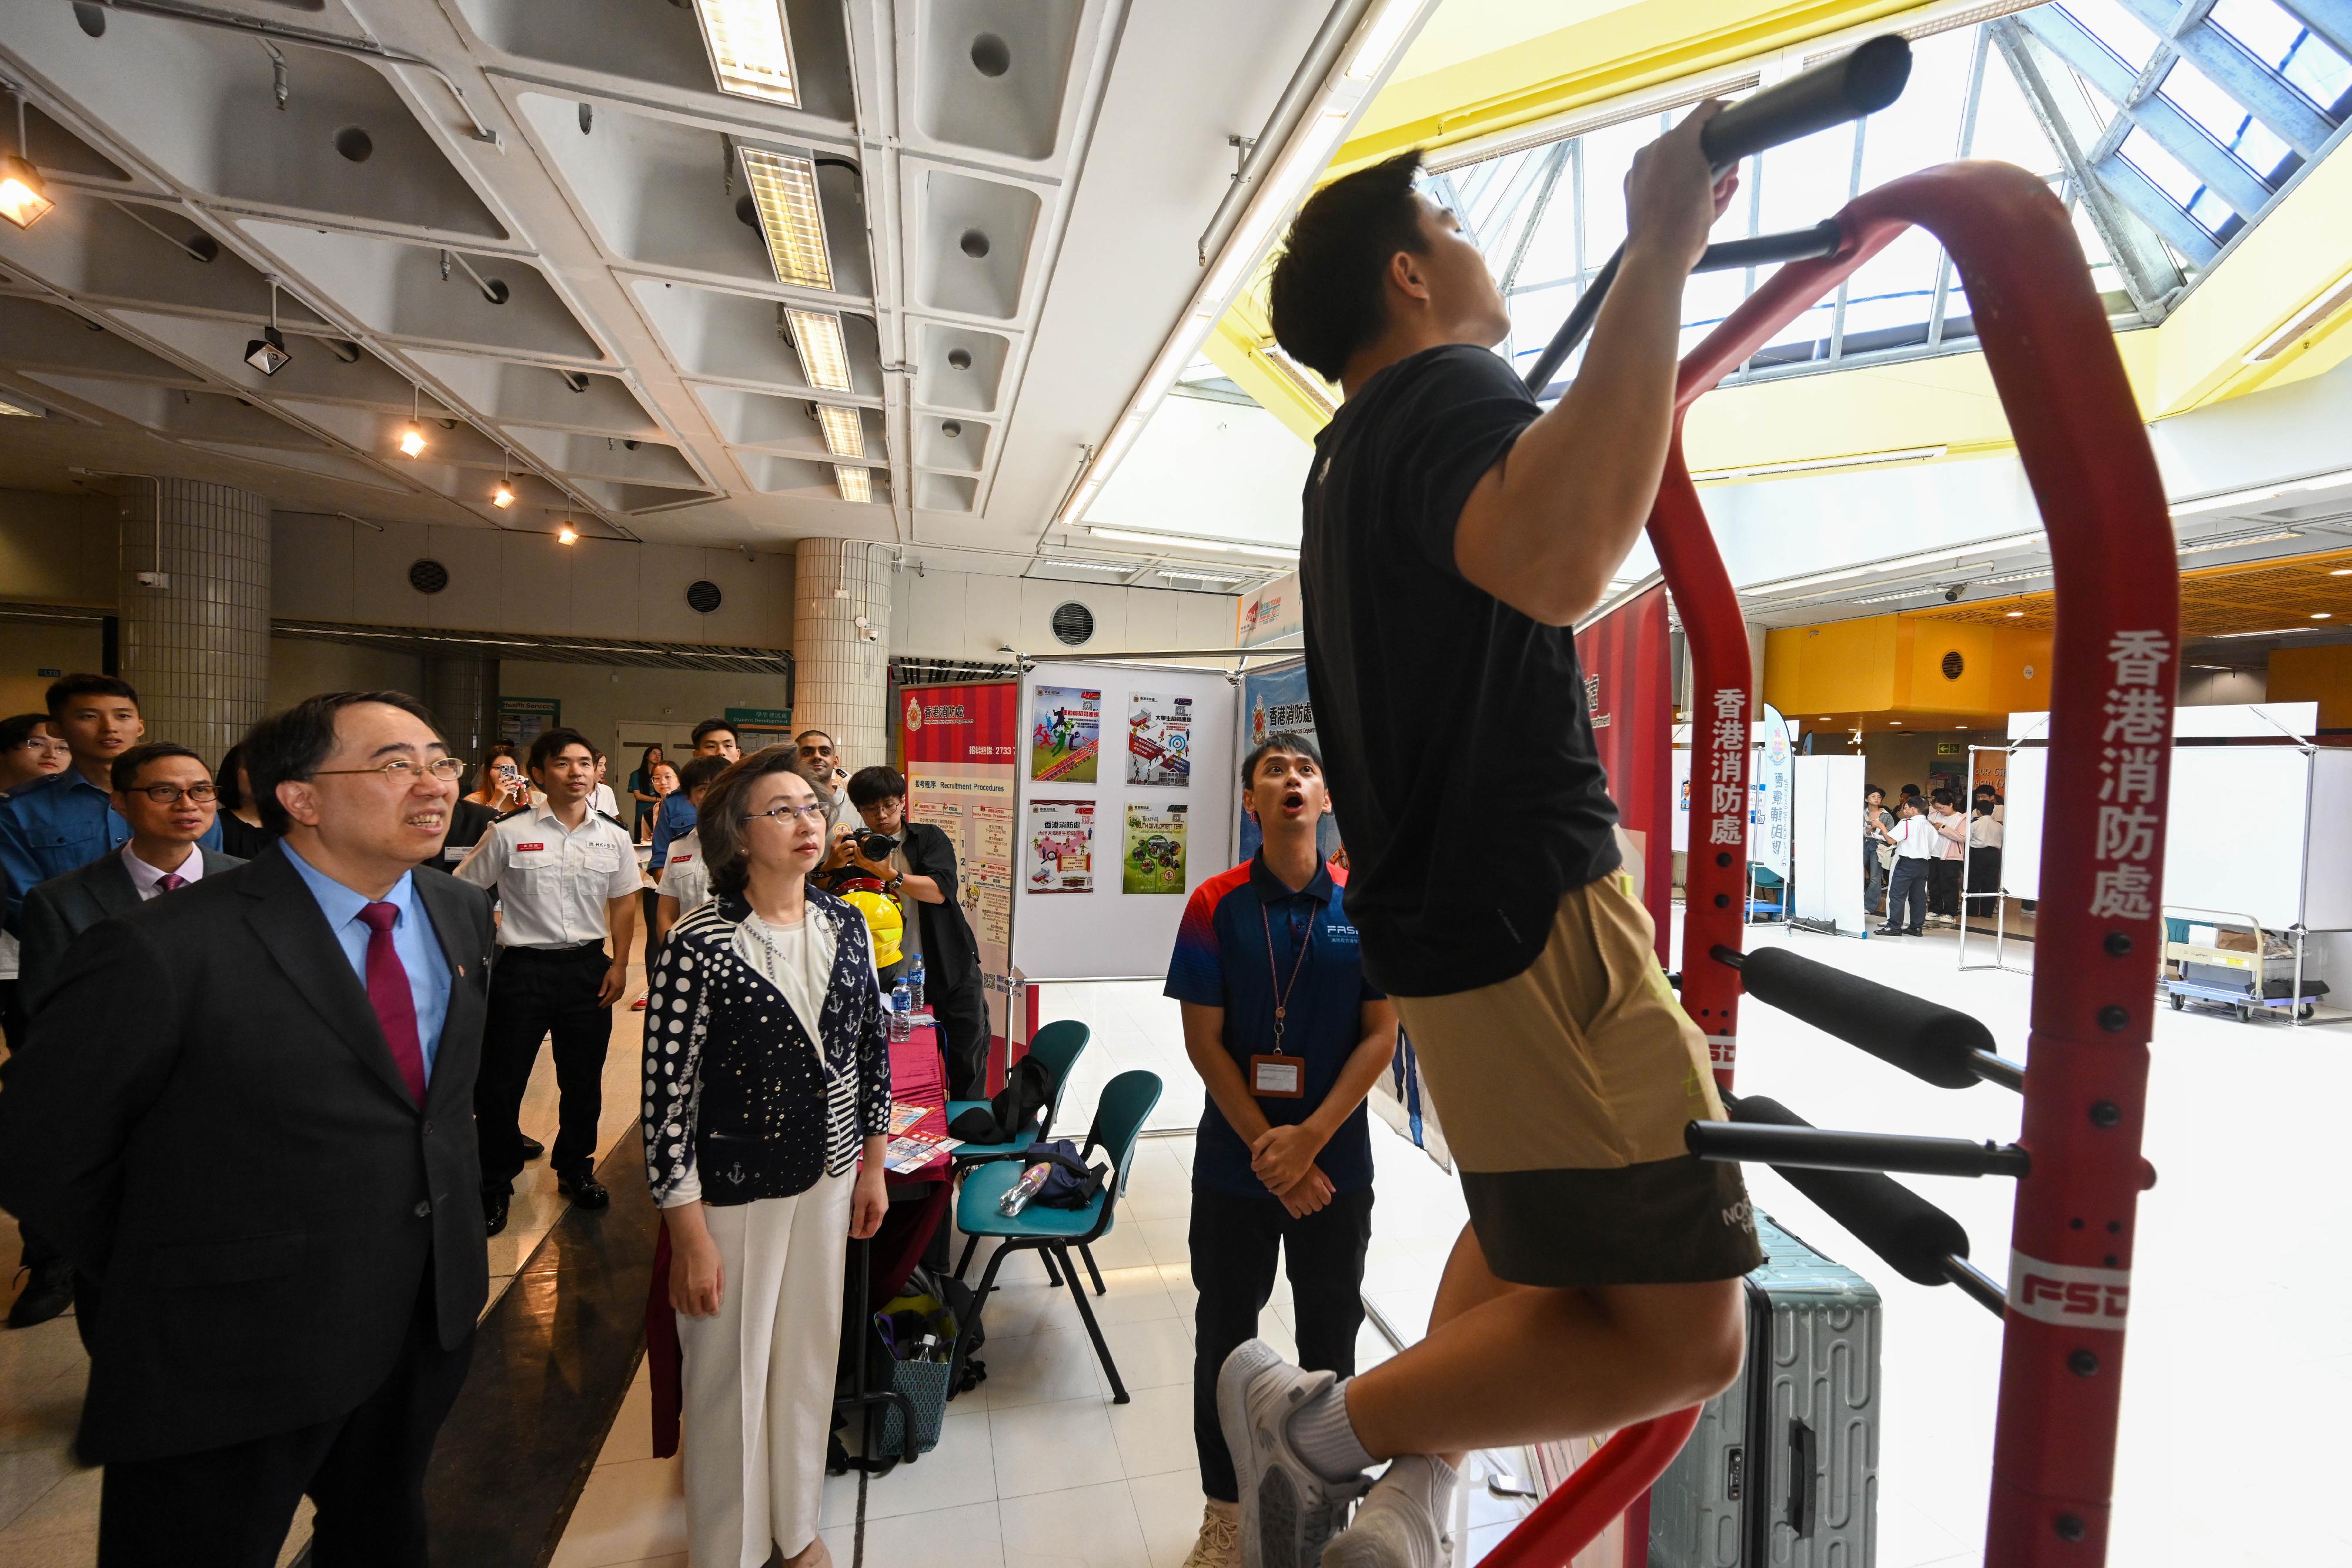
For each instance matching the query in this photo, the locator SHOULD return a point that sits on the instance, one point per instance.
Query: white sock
(1324, 1437)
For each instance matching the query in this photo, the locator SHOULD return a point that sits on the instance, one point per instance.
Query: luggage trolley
(2077, 1161)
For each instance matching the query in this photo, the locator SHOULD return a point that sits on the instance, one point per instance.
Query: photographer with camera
(916, 865)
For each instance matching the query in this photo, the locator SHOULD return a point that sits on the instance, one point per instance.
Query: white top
(601, 799)
(685, 876)
(147, 879)
(1916, 838)
(553, 884)
(797, 961)
(1954, 830)
(1984, 834)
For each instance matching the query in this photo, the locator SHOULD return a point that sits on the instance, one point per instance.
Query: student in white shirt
(682, 881)
(567, 878)
(1917, 845)
(601, 799)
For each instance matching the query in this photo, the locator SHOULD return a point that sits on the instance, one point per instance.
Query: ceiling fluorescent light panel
(749, 51)
(824, 354)
(856, 484)
(783, 192)
(844, 430)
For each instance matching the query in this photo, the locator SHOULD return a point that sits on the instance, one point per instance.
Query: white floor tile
(960, 1472)
(626, 1513)
(1149, 1355)
(1169, 1508)
(1038, 1369)
(1051, 1448)
(1154, 1431)
(1087, 1527)
(966, 1537)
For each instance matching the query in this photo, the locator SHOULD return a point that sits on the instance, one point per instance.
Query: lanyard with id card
(1280, 1076)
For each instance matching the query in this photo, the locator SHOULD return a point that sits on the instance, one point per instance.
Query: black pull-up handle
(1945, 1047)
(1918, 1240)
(1827, 1151)
(1831, 93)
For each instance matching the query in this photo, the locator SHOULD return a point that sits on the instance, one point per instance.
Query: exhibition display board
(1126, 799)
(1630, 699)
(959, 742)
(1825, 822)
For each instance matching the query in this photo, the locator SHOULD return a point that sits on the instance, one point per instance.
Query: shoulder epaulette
(502, 816)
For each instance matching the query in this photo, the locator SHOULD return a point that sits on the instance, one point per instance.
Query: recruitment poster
(1154, 858)
(1276, 703)
(1061, 846)
(1629, 699)
(1159, 739)
(1065, 735)
(962, 743)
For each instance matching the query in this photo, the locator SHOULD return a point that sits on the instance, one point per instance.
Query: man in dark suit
(165, 793)
(920, 872)
(247, 1109)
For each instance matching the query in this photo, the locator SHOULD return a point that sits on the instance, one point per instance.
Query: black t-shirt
(1441, 712)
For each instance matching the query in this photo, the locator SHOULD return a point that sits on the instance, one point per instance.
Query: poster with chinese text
(1065, 736)
(1154, 857)
(1159, 739)
(1061, 846)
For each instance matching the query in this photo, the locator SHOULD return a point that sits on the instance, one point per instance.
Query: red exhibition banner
(961, 746)
(1629, 692)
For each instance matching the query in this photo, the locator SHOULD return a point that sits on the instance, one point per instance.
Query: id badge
(1278, 1077)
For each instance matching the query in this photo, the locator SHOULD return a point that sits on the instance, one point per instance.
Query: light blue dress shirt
(413, 938)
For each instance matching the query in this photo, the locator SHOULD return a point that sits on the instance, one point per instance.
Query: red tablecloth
(917, 1078)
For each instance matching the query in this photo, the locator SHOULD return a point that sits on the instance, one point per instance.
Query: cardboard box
(2237, 941)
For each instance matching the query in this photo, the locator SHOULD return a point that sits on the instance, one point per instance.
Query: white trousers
(757, 1377)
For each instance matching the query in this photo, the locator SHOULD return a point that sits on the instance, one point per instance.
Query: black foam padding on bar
(1913, 1235)
(1922, 1037)
(1847, 87)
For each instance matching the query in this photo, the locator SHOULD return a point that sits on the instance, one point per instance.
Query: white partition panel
(2233, 838)
(1827, 847)
(1104, 933)
(2327, 892)
(2020, 822)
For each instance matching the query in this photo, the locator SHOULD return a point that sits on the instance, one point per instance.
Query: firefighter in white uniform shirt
(567, 879)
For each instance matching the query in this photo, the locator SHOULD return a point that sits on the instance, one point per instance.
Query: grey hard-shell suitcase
(1782, 1471)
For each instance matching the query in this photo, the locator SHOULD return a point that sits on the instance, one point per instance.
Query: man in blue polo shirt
(1289, 1039)
(64, 821)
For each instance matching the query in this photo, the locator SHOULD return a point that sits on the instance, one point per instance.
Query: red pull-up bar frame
(2098, 935)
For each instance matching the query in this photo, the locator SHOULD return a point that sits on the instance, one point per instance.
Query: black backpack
(1072, 1183)
(1027, 1088)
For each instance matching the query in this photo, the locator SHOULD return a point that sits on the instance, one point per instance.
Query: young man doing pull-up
(1597, 1282)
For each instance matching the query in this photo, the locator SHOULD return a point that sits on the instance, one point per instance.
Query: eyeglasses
(172, 794)
(401, 771)
(784, 814)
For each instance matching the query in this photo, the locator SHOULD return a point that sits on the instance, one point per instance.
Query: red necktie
(170, 880)
(388, 993)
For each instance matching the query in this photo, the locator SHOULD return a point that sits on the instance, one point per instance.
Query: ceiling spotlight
(2341, 571)
(567, 534)
(2324, 615)
(2014, 614)
(844, 432)
(783, 192)
(502, 497)
(825, 353)
(412, 440)
(856, 484)
(268, 352)
(750, 52)
(24, 199)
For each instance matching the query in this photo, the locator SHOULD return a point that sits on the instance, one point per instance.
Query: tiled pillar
(197, 644)
(841, 671)
(463, 694)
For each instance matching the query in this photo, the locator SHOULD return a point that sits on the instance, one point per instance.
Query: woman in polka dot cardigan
(767, 1110)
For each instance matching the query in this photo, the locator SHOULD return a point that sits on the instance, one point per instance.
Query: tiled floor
(1131, 1024)
(48, 1506)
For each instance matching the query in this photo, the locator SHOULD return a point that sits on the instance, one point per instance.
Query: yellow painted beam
(1245, 362)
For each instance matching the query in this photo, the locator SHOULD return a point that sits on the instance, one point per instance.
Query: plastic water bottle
(1016, 1197)
(902, 1007)
(914, 983)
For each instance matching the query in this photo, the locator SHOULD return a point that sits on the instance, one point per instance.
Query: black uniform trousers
(536, 992)
(1943, 887)
(230, 1508)
(962, 1014)
(1233, 1240)
(1906, 897)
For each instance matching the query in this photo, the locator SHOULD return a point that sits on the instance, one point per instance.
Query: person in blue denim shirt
(64, 821)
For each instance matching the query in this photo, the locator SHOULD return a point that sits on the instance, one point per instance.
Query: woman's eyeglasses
(172, 794)
(785, 814)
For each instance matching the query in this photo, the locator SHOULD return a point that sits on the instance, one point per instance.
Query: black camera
(876, 847)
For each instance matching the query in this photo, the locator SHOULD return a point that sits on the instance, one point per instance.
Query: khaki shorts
(1564, 1090)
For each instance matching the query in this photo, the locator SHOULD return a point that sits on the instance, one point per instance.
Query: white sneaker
(1288, 1510)
(1220, 1545)
(1404, 1522)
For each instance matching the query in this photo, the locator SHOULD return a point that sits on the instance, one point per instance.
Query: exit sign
(51, 674)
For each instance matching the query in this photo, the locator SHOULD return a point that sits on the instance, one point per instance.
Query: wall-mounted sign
(522, 720)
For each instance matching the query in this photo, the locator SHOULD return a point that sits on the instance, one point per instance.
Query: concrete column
(841, 669)
(196, 635)
(462, 692)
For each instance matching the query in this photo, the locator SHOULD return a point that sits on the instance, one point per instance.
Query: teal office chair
(1126, 1100)
(1057, 1048)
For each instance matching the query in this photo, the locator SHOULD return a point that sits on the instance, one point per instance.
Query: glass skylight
(2165, 132)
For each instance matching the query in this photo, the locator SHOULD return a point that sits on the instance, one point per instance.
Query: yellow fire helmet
(883, 919)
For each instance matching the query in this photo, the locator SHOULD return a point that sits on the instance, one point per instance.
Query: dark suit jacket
(63, 907)
(951, 956)
(207, 1119)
